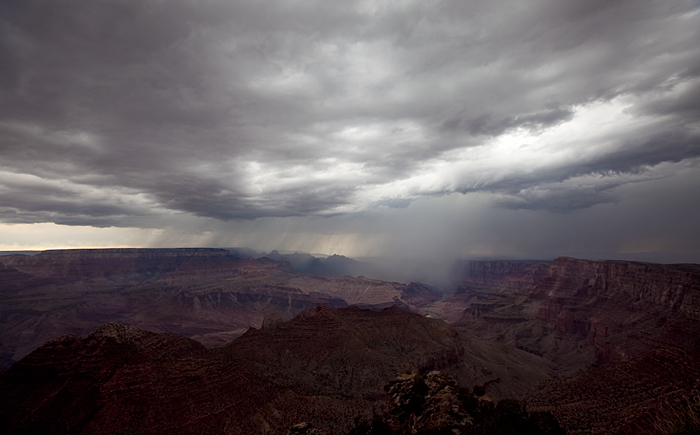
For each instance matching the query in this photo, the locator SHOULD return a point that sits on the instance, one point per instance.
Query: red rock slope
(326, 366)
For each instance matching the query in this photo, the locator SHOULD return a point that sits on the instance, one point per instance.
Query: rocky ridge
(326, 367)
(207, 294)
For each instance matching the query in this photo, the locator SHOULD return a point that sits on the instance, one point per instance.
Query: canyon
(623, 335)
(210, 295)
(602, 345)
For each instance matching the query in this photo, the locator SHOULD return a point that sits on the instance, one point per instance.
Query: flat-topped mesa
(674, 287)
(90, 263)
(142, 252)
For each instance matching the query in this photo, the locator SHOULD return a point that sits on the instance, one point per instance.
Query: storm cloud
(147, 114)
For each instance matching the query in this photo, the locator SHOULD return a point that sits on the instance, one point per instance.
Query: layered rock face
(206, 294)
(12, 280)
(622, 308)
(79, 264)
(635, 318)
(674, 288)
(326, 367)
(501, 275)
(598, 302)
(486, 285)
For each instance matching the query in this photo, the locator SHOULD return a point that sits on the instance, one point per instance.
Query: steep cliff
(485, 285)
(623, 335)
(621, 308)
(675, 288)
(500, 275)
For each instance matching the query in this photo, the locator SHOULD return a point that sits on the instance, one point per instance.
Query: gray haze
(520, 129)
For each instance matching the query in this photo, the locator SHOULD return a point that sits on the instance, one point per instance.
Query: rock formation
(325, 367)
(437, 404)
(206, 294)
(600, 322)
(626, 398)
(600, 344)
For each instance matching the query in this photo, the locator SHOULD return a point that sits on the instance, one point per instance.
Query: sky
(436, 129)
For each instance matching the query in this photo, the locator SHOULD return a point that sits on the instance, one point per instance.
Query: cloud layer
(135, 113)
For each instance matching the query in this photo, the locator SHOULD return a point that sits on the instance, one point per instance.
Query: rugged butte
(326, 366)
(206, 294)
(622, 332)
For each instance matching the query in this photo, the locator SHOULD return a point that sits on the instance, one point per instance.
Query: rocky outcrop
(306, 428)
(324, 367)
(418, 403)
(436, 404)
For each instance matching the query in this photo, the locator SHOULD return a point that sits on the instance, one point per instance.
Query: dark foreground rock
(326, 367)
(436, 404)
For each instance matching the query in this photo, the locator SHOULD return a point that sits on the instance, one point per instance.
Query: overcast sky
(524, 128)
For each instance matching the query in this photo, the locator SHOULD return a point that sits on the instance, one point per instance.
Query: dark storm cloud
(565, 187)
(33, 205)
(486, 125)
(120, 112)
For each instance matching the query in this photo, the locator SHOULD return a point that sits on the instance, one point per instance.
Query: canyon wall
(623, 335)
(501, 275)
(78, 264)
(210, 295)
